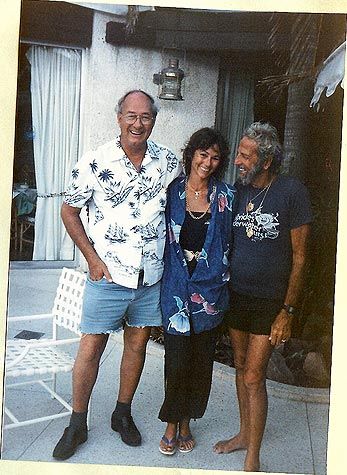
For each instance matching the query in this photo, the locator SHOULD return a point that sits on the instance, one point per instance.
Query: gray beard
(252, 174)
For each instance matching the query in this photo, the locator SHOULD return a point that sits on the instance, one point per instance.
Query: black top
(193, 235)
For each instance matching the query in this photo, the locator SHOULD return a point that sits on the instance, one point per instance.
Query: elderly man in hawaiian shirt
(123, 186)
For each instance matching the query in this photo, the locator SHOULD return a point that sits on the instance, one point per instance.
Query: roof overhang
(208, 30)
(119, 10)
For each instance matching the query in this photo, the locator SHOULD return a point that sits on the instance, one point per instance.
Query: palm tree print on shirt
(106, 175)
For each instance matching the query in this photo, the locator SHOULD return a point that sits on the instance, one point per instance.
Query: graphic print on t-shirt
(258, 225)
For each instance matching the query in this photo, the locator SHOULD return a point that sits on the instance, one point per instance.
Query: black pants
(188, 375)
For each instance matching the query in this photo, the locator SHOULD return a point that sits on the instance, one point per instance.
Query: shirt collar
(150, 154)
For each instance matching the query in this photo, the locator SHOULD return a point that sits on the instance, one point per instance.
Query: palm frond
(304, 42)
(303, 38)
(131, 19)
(277, 83)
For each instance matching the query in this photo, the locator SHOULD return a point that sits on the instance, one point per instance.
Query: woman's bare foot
(186, 442)
(167, 446)
(227, 446)
(168, 443)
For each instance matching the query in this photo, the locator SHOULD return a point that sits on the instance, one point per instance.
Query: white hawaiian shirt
(126, 219)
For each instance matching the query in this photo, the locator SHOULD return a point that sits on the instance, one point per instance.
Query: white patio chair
(41, 360)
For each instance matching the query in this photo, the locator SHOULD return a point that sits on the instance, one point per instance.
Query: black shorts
(252, 314)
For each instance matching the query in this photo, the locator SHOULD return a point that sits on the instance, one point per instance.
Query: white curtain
(55, 93)
(235, 111)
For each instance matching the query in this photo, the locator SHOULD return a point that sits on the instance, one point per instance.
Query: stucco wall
(111, 71)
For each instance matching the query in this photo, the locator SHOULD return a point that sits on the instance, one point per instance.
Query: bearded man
(271, 230)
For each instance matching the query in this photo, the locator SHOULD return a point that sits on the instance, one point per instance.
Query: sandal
(186, 438)
(171, 445)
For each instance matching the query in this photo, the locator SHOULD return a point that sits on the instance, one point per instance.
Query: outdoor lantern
(169, 81)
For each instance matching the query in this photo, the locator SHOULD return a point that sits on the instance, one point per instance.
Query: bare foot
(251, 465)
(251, 469)
(186, 442)
(167, 446)
(252, 462)
(168, 443)
(227, 446)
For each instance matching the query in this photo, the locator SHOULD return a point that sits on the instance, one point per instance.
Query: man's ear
(267, 163)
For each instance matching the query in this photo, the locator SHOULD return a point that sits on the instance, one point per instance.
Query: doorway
(46, 148)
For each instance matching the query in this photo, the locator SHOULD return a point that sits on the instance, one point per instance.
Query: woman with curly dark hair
(194, 292)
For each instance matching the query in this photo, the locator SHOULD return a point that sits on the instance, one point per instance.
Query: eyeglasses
(132, 118)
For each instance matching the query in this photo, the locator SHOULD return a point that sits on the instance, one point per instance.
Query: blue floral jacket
(200, 300)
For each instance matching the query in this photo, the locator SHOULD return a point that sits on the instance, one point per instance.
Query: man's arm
(281, 328)
(73, 224)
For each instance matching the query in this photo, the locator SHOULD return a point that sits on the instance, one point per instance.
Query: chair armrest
(29, 317)
(19, 358)
(47, 343)
(37, 344)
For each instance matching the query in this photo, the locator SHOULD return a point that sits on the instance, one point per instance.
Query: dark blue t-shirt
(262, 252)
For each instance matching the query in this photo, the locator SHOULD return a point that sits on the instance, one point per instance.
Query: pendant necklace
(197, 193)
(250, 204)
(250, 207)
(209, 204)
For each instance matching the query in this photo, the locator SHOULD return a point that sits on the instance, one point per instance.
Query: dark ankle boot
(127, 429)
(70, 440)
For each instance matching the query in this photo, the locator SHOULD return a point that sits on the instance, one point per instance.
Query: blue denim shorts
(107, 305)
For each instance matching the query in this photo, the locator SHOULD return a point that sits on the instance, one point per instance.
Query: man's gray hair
(269, 146)
(154, 105)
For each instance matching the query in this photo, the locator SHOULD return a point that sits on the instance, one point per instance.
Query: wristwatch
(289, 309)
